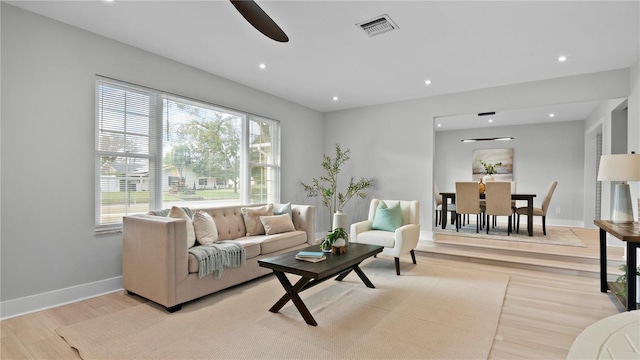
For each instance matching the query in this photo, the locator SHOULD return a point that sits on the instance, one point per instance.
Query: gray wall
(542, 153)
(48, 110)
(394, 143)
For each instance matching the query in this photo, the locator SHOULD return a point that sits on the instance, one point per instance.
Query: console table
(630, 234)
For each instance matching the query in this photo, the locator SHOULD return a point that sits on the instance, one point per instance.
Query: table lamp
(623, 168)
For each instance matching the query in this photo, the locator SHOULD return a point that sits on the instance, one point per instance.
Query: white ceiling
(535, 115)
(458, 45)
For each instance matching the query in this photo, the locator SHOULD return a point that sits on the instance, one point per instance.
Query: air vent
(378, 25)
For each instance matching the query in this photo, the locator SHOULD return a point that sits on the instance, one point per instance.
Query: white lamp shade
(619, 167)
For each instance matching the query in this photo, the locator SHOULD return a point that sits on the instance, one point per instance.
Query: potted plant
(622, 279)
(326, 186)
(337, 237)
(489, 170)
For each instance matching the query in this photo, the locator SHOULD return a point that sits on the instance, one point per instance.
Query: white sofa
(156, 263)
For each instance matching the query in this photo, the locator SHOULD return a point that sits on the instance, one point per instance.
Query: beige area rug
(430, 312)
(555, 236)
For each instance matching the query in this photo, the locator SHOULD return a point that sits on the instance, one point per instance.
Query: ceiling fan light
(259, 19)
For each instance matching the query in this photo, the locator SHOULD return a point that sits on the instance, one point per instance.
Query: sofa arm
(359, 227)
(304, 219)
(154, 256)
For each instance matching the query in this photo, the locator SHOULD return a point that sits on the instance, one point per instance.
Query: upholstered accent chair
(398, 238)
(439, 206)
(498, 202)
(467, 202)
(541, 211)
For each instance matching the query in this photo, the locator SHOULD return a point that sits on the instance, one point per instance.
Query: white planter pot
(340, 220)
(487, 178)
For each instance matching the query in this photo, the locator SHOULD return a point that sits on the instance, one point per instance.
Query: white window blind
(125, 138)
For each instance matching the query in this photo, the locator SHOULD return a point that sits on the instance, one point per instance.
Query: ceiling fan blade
(259, 19)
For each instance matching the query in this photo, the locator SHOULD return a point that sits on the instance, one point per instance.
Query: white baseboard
(426, 235)
(51, 299)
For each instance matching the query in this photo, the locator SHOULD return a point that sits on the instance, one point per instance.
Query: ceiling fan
(259, 19)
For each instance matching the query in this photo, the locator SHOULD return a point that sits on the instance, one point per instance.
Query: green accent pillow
(387, 218)
(279, 209)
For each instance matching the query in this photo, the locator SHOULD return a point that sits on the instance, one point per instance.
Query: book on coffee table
(311, 256)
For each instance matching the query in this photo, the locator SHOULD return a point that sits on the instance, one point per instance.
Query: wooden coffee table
(313, 274)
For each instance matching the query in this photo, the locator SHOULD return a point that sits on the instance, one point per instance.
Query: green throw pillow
(387, 218)
(279, 209)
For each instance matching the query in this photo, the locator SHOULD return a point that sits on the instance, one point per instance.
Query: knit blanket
(214, 258)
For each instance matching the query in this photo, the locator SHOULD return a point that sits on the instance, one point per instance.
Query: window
(155, 150)
(264, 160)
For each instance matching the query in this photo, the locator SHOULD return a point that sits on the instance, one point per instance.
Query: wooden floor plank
(543, 311)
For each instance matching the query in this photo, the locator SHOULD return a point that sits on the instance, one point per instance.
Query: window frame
(155, 153)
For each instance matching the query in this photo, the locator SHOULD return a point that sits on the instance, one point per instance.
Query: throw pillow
(178, 213)
(165, 212)
(279, 209)
(205, 228)
(387, 218)
(277, 224)
(251, 217)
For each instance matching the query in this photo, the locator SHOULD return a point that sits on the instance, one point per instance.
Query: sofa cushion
(205, 228)
(251, 248)
(277, 242)
(277, 224)
(229, 222)
(378, 237)
(251, 217)
(178, 213)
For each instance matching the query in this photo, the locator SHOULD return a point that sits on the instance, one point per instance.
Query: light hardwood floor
(543, 311)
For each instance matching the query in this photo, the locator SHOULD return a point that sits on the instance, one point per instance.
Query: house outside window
(155, 150)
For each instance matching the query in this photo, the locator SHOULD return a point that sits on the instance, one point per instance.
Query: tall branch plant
(326, 186)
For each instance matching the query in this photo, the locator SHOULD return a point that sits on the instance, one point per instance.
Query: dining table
(515, 196)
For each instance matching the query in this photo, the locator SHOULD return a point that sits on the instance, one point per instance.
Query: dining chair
(438, 205)
(514, 206)
(498, 202)
(541, 211)
(467, 202)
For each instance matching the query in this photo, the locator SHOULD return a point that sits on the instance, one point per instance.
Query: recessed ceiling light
(552, 115)
(262, 66)
(439, 125)
(335, 98)
(562, 58)
(427, 82)
(490, 120)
